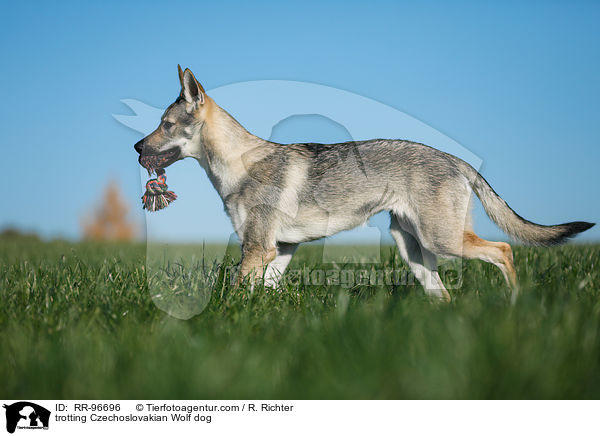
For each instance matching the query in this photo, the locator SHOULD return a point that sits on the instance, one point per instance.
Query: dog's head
(179, 133)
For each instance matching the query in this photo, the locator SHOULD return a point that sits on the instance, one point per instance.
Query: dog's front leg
(254, 260)
(277, 267)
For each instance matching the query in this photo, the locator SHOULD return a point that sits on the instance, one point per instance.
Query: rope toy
(157, 195)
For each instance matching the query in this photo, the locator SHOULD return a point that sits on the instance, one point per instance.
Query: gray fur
(279, 195)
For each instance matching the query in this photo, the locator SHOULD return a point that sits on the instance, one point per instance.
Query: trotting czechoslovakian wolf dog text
(279, 195)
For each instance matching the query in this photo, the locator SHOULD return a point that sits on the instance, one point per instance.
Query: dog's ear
(180, 72)
(191, 90)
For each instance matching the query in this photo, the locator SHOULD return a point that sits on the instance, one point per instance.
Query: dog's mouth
(153, 162)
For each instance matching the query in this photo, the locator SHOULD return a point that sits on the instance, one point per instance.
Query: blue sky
(516, 84)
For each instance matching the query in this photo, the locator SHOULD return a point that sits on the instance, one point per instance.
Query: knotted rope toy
(157, 194)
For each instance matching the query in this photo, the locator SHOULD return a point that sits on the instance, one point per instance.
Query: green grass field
(77, 322)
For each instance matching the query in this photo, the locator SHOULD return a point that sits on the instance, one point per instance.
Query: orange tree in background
(109, 220)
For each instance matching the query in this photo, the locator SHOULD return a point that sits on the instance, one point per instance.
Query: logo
(26, 415)
(288, 110)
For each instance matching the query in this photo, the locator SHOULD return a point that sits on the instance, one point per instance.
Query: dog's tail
(512, 223)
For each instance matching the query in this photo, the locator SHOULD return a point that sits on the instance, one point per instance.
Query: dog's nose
(139, 146)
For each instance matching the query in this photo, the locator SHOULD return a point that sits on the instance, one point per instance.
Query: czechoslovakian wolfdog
(279, 195)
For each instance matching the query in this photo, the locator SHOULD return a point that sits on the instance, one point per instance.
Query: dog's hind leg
(277, 266)
(498, 253)
(422, 262)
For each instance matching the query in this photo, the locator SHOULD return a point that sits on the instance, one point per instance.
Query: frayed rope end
(157, 195)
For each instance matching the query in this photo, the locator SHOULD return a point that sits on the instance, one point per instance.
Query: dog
(280, 195)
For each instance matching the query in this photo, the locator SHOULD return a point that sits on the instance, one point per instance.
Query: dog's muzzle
(153, 162)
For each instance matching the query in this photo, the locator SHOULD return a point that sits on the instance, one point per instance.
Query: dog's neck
(229, 149)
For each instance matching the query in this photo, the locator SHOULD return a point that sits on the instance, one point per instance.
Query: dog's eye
(167, 126)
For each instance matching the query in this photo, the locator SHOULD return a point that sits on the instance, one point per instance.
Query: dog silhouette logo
(26, 415)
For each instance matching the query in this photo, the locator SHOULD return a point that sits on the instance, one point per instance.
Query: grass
(77, 321)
